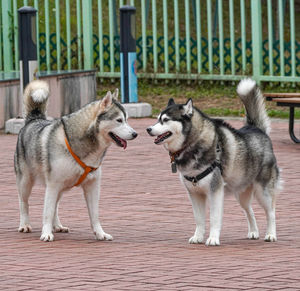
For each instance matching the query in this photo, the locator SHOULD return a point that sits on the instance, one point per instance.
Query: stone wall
(69, 91)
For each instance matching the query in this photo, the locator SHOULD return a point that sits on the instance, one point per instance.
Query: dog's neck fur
(82, 133)
(200, 144)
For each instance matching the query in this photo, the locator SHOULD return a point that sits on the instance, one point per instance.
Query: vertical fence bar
(132, 2)
(78, 16)
(199, 38)
(1, 44)
(68, 28)
(87, 29)
(121, 3)
(166, 40)
(57, 25)
(187, 37)
(37, 24)
(111, 36)
(256, 39)
(221, 37)
(100, 35)
(209, 37)
(154, 30)
(176, 27)
(25, 2)
(7, 45)
(270, 36)
(16, 35)
(232, 42)
(281, 37)
(243, 34)
(292, 37)
(144, 40)
(47, 31)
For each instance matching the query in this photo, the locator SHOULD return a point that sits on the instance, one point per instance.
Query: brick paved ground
(147, 211)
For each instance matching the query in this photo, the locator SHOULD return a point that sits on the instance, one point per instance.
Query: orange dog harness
(86, 168)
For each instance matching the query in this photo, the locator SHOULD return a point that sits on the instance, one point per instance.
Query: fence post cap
(27, 9)
(127, 8)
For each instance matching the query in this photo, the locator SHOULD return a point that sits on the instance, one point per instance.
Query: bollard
(27, 45)
(128, 55)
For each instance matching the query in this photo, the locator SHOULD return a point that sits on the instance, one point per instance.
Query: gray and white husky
(213, 158)
(42, 154)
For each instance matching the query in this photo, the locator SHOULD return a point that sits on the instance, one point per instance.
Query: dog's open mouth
(119, 141)
(162, 137)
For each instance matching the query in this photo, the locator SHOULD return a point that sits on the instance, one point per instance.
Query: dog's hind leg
(24, 184)
(245, 199)
(51, 198)
(198, 202)
(266, 197)
(57, 226)
(92, 194)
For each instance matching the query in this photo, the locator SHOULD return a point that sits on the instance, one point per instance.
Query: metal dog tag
(174, 167)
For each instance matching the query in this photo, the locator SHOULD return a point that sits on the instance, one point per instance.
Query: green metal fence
(176, 39)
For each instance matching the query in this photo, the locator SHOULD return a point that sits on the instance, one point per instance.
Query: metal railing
(176, 39)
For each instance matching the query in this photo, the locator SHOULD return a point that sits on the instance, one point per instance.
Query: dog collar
(173, 156)
(86, 168)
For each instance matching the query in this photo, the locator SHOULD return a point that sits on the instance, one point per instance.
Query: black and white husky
(66, 152)
(213, 158)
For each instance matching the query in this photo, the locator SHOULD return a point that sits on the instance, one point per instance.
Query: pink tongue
(124, 143)
(160, 136)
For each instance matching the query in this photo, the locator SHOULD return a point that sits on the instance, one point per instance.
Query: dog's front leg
(49, 211)
(198, 200)
(216, 200)
(92, 194)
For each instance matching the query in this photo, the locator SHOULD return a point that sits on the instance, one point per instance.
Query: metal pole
(128, 54)
(27, 45)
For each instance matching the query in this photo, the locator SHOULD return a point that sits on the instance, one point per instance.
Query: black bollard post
(27, 45)
(128, 54)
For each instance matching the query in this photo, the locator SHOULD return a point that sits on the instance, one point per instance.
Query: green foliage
(213, 98)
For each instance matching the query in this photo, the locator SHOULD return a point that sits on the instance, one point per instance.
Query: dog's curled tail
(253, 100)
(35, 100)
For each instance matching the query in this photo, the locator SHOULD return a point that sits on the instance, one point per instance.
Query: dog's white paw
(196, 239)
(270, 237)
(25, 228)
(213, 241)
(103, 236)
(253, 235)
(47, 236)
(60, 228)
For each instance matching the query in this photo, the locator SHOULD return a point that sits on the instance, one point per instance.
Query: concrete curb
(138, 109)
(14, 125)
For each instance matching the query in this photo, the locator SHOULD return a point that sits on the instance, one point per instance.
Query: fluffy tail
(253, 100)
(35, 100)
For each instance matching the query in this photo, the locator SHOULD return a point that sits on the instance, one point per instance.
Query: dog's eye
(119, 120)
(166, 119)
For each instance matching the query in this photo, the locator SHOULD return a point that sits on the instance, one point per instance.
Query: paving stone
(146, 208)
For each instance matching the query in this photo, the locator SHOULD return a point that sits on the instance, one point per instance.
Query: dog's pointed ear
(188, 108)
(116, 94)
(171, 102)
(106, 101)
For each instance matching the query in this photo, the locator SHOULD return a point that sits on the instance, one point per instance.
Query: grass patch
(214, 99)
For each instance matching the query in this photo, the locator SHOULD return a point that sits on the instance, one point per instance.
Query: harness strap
(206, 172)
(86, 168)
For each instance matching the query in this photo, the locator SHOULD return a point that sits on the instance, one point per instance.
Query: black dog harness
(195, 179)
(206, 172)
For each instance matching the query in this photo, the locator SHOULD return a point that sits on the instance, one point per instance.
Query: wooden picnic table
(290, 100)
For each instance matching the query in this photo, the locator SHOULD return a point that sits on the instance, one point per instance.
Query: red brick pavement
(145, 207)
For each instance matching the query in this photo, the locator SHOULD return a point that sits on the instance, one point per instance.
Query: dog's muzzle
(149, 130)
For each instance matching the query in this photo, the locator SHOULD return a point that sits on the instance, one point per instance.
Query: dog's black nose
(149, 129)
(134, 135)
